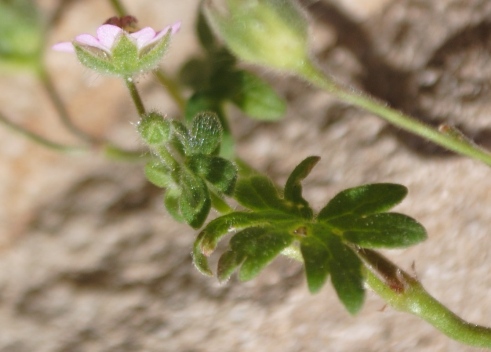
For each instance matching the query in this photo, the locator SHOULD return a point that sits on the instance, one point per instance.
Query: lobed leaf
(386, 230)
(257, 98)
(293, 186)
(363, 200)
(158, 174)
(258, 192)
(254, 248)
(220, 172)
(205, 134)
(316, 259)
(346, 274)
(194, 201)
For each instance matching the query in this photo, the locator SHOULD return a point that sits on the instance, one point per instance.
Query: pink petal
(173, 30)
(65, 46)
(107, 35)
(143, 37)
(87, 39)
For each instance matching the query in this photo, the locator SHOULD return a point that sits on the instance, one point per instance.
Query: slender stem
(459, 145)
(130, 84)
(118, 7)
(172, 88)
(60, 106)
(405, 293)
(41, 140)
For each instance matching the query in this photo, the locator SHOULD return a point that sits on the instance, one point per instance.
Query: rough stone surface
(90, 261)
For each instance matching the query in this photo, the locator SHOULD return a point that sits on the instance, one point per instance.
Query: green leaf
(154, 129)
(220, 172)
(293, 187)
(200, 102)
(158, 174)
(346, 275)
(205, 134)
(316, 257)
(256, 98)
(171, 202)
(204, 32)
(228, 263)
(386, 230)
(180, 138)
(219, 227)
(255, 247)
(195, 202)
(258, 192)
(363, 200)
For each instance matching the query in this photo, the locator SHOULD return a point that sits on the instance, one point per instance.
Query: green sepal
(363, 200)
(385, 230)
(293, 186)
(316, 259)
(125, 57)
(205, 134)
(256, 98)
(151, 55)
(95, 59)
(221, 173)
(254, 249)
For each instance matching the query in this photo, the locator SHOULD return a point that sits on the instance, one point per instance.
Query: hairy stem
(459, 145)
(130, 84)
(405, 293)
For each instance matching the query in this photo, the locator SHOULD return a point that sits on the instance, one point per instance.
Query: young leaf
(256, 247)
(205, 134)
(228, 263)
(363, 200)
(293, 187)
(195, 202)
(257, 99)
(220, 172)
(386, 230)
(346, 275)
(258, 193)
(171, 202)
(158, 174)
(316, 257)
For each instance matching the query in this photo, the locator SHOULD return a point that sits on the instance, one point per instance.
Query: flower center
(126, 23)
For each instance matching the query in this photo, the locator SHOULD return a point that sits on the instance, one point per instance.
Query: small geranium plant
(193, 159)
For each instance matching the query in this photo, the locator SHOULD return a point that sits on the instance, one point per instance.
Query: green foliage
(21, 35)
(186, 164)
(216, 79)
(276, 219)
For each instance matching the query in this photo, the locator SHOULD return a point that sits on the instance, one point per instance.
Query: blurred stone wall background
(90, 261)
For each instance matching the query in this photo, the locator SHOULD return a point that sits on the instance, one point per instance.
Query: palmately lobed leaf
(385, 230)
(363, 200)
(316, 259)
(205, 134)
(220, 172)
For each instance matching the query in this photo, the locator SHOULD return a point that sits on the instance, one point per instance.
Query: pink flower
(116, 51)
(108, 34)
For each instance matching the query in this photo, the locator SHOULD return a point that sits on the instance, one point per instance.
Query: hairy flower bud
(265, 32)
